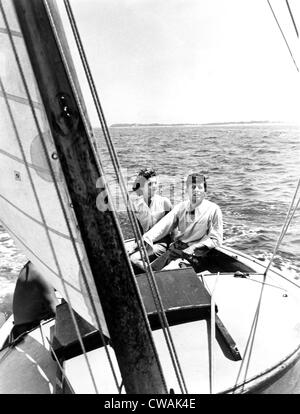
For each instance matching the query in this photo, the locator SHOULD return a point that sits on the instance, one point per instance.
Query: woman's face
(150, 187)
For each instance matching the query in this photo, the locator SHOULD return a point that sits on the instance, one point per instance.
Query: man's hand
(201, 251)
(131, 248)
(196, 251)
(194, 254)
(181, 250)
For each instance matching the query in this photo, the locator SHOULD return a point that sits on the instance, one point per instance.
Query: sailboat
(229, 326)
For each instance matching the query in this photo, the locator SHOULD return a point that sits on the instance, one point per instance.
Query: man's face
(196, 192)
(150, 187)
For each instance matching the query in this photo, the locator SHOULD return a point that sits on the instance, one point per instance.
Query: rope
(38, 202)
(212, 335)
(250, 341)
(31, 179)
(292, 17)
(62, 370)
(74, 89)
(103, 123)
(266, 284)
(283, 36)
(5, 354)
(286, 224)
(99, 165)
(133, 220)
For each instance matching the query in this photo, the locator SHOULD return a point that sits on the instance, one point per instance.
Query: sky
(189, 61)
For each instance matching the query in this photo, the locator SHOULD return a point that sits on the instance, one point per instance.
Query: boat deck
(207, 365)
(206, 369)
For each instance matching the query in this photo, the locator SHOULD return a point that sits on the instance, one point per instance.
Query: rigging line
(283, 36)
(93, 147)
(93, 144)
(292, 204)
(103, 123)
(32, 184)
(110, 145)
(253, 280)
(30, 177)
(165, 326)
(290, 219)
(29, 172)
(114, 157)
(254, 326)
(6, 353)
(26, 247)
(61, 368)
(212, 334)
(266, 284)
(160, 310)
(100, 111)
(97, 154)
(252, 334)
(287, 221)
(158, 303)
(292, 17)
(288, 280)
(31, 217)
(51, 20)
(250, 342)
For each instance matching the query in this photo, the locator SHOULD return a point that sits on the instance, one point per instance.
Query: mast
(114, 279)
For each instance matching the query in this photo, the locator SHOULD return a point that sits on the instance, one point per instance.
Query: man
(198, 222)
(149, 208)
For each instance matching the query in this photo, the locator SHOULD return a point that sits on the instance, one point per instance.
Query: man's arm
(167, 205)
(162, 227)
(214, 236)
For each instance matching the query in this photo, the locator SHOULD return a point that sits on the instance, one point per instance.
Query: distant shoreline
(129, 125)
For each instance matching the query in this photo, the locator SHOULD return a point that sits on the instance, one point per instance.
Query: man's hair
(194, 178)
(143, 175)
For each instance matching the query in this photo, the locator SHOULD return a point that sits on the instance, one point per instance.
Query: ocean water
(252, 173)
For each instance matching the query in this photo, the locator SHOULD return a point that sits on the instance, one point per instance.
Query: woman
(149, 208)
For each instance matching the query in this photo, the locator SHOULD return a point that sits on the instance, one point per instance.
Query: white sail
(30, 208)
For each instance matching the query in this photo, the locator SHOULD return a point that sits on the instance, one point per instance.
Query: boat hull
(28, 366)
(274, 368)
(282, 379)
(30, 369)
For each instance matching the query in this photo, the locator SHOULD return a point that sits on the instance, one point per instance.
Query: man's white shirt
(204, 227)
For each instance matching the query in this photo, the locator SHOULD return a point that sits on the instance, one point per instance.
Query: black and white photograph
(149, 199)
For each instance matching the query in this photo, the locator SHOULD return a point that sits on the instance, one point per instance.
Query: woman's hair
(196, 178)
(143, 175)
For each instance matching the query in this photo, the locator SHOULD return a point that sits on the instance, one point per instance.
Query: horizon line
(133, 124)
